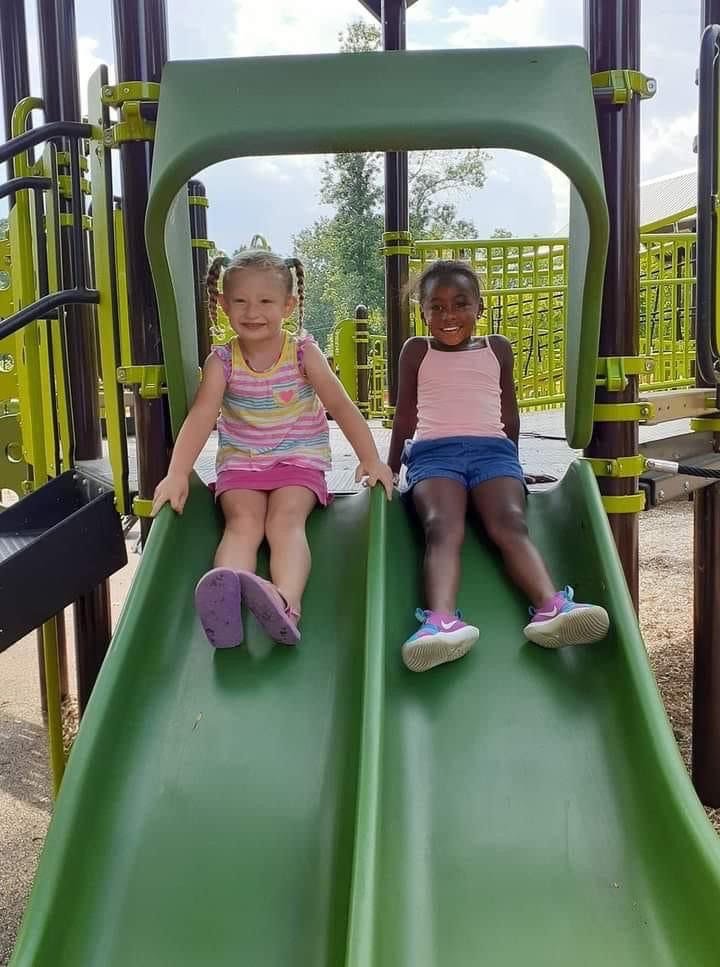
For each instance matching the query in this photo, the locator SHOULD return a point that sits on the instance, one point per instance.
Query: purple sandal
(217, 600)
(270, 609)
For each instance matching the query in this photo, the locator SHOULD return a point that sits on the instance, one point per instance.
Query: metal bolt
(661, 496)
(609, 466)
(651, 85)
(686, 486)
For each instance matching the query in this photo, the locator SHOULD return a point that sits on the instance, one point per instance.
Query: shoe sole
(218, 601)
(264, 602)
(426, 653)
(582, 626)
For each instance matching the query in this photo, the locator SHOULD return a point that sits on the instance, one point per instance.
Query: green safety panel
(325, 807)
(537, 100)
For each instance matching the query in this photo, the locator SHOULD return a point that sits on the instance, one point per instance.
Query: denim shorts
(470, 460)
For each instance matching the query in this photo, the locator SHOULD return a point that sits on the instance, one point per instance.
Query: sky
(277, 197)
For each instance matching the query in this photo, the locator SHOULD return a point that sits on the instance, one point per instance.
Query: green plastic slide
(323, 806)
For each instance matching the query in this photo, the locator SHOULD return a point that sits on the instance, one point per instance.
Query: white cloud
(497, 175)
(88, 63)
(292, 26)
(560, 191)
(286, 168)
(517, 22)
(421, 12)
(666, 144)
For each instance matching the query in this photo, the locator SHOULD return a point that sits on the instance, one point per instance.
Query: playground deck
(543, 450)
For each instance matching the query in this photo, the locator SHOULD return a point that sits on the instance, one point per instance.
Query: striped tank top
(273, 417)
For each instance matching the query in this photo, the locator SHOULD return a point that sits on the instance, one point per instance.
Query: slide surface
(325, 807)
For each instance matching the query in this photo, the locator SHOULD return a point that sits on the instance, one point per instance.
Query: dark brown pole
(397, 309)
(612, 37)
(58, 60)
(710, 13)
(140, 28)
(198, 232)
(706, 673)
(16, 86)
(13, 63)
(59, 69)
(362, 336)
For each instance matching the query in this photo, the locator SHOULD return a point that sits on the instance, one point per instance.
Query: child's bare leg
(245, 512)
(500, 505)
(441, 505)
(288, 510)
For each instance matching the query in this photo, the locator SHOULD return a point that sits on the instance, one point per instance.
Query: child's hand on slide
(375, 472)
(172, 489)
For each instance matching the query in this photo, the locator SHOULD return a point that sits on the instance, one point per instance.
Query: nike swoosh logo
(548, 614)
(445, 626)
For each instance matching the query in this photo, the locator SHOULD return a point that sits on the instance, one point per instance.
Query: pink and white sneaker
(440, 638)
(561, 621)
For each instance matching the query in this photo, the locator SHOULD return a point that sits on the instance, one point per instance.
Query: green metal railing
(524, 286)
(667, 309)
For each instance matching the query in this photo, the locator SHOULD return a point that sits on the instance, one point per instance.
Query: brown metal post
(14, 80)
(706, 673)
(15, 86)
(140, 28)
(197, 197)
(710, 13)
(397, 306)
(612, 36)
(59, 68)
(362, 337)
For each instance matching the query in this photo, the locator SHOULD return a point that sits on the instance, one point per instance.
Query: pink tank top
(458, 394)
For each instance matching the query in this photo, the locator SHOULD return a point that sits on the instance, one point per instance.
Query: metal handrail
(35, 182)
(46, 132)
(44, 307)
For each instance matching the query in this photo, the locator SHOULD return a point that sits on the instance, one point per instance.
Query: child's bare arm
(348, 417)
(510, 413)
(192, 437)
(405, 420)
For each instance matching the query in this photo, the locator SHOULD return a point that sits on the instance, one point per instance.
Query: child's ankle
(442, 615)
(292, 608)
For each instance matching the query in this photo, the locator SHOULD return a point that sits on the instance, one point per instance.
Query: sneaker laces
(422, 615)
(567, 592)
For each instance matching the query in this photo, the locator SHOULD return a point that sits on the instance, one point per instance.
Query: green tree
(3, 227)
(359, 36)
(501, 233)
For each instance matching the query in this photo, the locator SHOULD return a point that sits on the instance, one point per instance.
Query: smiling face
(256, 301)
(450, 308)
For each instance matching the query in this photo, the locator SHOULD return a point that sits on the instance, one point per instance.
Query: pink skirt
(283, 475)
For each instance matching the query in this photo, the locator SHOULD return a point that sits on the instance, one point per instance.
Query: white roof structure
(663, 201)
(669, 199)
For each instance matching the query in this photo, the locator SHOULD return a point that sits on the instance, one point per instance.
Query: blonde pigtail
(295, 263)
(211, 284)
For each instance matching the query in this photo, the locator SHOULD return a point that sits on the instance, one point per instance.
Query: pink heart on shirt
(286, 395)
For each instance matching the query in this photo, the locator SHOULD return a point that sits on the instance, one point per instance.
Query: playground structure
(408, 821)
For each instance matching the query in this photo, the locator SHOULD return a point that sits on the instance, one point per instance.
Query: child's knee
(441, 531)
(249, 526)
(507, 526)
(282, 524)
